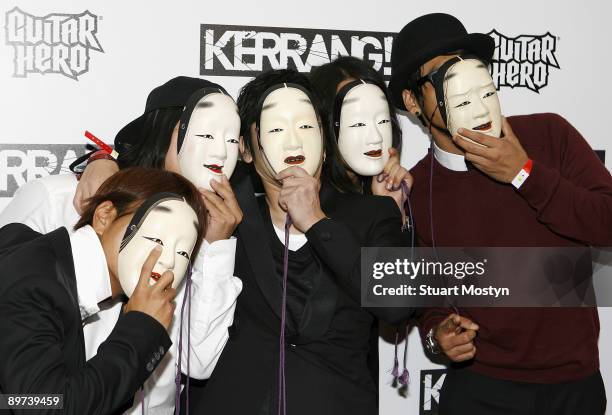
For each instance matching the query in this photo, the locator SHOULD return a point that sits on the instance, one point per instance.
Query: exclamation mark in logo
(387, 61)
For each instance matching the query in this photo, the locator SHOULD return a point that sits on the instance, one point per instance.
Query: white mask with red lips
(289, 132)
(209, 145)
(471, 99)
(169, 222)
(365, 132)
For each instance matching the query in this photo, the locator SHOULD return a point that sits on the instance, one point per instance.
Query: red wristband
(528, 165)
(100, 155)
(523, 174)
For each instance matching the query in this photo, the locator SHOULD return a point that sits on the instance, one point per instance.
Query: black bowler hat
(425, 38)
(173, 93)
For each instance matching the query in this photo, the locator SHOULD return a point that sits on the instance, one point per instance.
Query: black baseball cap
(425, 38)
(174, 93)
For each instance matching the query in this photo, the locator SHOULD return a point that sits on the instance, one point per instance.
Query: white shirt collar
(451, 161)
(92, 277)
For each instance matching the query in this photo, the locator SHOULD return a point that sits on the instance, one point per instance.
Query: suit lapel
(254, 237)
(65, 275)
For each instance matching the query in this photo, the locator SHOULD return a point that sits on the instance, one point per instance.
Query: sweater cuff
(540, 185)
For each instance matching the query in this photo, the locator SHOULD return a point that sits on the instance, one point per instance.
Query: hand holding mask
(155, 301)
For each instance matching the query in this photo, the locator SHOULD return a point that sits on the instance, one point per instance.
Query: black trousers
(466, 392)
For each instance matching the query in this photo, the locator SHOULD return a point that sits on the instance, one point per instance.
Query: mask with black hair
(288, 130)
(164, 219)
(208, 136)
(466, 96)
(363, 127)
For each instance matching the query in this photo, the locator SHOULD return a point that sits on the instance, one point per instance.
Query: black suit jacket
(42, 348)
(327, 368)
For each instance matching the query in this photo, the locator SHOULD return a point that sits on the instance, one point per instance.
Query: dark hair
(326, 79)
(151, 148)
(250, 95)
(129, 188)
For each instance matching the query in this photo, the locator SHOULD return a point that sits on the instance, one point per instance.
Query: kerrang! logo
(523, 61)
(232, 50)
(55, 43)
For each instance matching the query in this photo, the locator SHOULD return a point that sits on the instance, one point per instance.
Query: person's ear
(104, 215)
(245, 154)
(411, 102)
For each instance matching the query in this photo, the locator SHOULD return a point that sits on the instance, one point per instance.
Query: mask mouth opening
(215, 168)
(483, 127)
(295, 160)
(374, 153)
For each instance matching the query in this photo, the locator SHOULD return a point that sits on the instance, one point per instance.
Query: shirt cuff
(219, 258)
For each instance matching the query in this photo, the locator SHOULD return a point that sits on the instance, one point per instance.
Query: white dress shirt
(46, 204)
(451, 161)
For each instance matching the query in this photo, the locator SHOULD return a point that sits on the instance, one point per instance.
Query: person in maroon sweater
(539, 185)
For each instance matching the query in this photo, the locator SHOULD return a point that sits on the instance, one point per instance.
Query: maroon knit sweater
(566, 201)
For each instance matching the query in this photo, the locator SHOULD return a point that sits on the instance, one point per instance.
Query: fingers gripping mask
(288, 130)
(467, 96)
(164, 219)
(208, 137)
(362, 123)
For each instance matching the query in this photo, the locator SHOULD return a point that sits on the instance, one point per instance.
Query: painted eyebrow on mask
(164, 209)
(355, 99)
(205, 104)
(273, 104)
(451, 75)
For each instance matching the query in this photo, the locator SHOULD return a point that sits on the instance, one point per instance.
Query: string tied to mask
(282, 394)
(177, 379)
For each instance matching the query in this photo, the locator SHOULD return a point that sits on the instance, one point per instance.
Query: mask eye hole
(233, 141)
(384, 121)
(153, 239)
(306, 127)
(183, 253)
(208, 136)
(489, 94)
(357, 124)
(463, 104)
(275, 130)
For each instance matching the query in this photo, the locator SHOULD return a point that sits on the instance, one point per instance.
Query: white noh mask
(208, 137)
(289, 133)
(165, 220)
(364, 129)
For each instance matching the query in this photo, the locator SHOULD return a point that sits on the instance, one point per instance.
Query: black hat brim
(478, 44)
(130, 134)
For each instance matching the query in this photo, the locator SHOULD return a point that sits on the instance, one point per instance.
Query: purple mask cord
(177, 379)
(404, 378)
(282, 396)
(395, 370)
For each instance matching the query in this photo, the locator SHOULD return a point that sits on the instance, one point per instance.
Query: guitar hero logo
(55, 43)
(523, 61)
